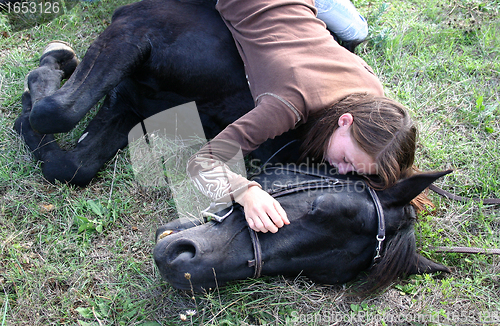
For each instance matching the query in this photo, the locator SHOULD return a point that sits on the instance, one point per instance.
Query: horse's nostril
(184, 251)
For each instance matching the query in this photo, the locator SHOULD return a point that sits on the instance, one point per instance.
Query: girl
(300, 77)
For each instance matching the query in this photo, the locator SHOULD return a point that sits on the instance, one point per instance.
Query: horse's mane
(397, 259)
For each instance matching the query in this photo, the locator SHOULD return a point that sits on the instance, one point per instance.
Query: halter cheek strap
(257, 253)
(381, 222)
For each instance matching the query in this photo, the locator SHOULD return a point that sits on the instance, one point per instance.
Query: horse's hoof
(63, 55)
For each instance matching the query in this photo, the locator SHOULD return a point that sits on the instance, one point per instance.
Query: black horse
(338, 227)
(158, 54)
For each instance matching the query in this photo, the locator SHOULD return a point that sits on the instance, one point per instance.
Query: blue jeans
(342, 18)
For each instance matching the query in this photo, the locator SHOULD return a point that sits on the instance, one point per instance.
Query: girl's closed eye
(351, 164)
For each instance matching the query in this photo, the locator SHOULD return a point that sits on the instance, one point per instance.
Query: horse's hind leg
(106, 133)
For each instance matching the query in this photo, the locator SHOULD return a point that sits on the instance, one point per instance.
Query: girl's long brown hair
(381, 127)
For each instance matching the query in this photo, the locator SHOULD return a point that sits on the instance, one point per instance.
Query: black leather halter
(323, 182)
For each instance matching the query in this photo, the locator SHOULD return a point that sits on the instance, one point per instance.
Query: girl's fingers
(264, 213)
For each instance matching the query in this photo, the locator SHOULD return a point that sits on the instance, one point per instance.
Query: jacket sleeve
(212, 171)
(212, 167)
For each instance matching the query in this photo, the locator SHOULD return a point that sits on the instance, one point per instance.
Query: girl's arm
(209, 170)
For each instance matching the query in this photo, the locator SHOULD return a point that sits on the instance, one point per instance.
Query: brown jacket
(293, 64)
(294, 67)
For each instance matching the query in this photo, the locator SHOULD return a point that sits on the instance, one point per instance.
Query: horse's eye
(314, 204)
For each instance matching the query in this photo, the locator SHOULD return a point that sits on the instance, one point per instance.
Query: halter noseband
(323, 183)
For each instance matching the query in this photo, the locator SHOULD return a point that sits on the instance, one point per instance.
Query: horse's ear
(405, 190)
(424, 265)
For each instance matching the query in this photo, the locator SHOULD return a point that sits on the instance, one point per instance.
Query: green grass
(71, 256)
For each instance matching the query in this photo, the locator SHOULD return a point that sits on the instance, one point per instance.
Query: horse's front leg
(58, 61)
(39, 144)
(108, 61)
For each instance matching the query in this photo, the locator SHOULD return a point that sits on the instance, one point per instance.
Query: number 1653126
(32, 7)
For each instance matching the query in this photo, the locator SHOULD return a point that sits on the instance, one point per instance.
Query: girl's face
(344, 153)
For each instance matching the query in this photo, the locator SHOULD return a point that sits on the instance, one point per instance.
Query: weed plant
(73, 256)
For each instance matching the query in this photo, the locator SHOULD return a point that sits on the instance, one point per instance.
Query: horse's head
(332, 236)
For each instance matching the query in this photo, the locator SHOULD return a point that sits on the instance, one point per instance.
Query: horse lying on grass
(338, 228)
(158, 54)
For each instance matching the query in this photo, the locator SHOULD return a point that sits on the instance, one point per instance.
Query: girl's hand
(262, 212)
